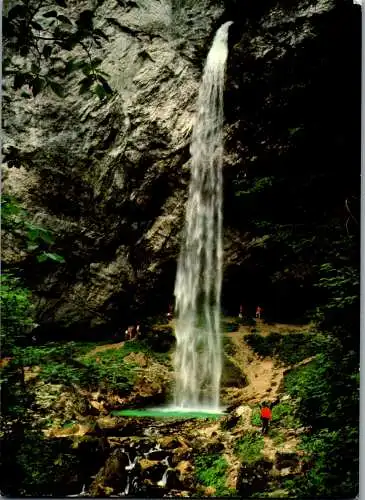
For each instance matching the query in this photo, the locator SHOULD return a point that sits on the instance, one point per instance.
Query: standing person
(130, 333)
(258, 312)
(138, 329)
(169, 314)
(240, 314)
(266, 416)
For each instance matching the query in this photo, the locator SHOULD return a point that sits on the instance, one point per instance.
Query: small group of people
(133, 332)
(259, 311)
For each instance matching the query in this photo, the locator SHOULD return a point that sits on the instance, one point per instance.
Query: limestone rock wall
(111, 179)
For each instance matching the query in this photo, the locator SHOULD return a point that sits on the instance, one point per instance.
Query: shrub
(289, 348)
(327, 398)
(255, 417)
(211, 470)
(228, 346)
(284, 415)
(248, 448)
(277, 436)
(230, 325)
(16, 314)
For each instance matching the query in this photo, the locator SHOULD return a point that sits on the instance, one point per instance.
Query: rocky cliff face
(111, 179)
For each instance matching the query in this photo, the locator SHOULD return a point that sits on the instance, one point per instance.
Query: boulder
(253, 478)
(109, 424)
(112, 475)
(158, 454)
(284, 460)
(151, 469)
(229, 422)
(186, 474)
(137, 358)
(171, 442)
(180, 454)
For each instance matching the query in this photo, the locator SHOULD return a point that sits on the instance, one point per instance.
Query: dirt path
(264, 375)
(264, 378)
(265, 329)
(106, 347)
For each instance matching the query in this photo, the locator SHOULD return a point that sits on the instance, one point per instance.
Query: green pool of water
(167, 413)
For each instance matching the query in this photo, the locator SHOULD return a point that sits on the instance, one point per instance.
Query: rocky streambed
(162, 457)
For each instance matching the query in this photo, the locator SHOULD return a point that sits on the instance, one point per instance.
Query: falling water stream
(198, 357)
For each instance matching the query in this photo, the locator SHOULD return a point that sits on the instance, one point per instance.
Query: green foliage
(44, 33)
(210, 470)
(277, 436)
(341, 282)
(325, 391)
(36, 239)
(228, 346)
(327, 395)
(332, 465)
(16, 314)
(284, 415)
(257, 186)
(54, 351)
(255, 417)
(248, 448)
(47, 467)
(73, 363)
(290, 348)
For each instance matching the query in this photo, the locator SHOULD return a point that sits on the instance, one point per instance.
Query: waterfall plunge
(198, 357)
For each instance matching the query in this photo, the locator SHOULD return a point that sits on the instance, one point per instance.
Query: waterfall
(198, 357)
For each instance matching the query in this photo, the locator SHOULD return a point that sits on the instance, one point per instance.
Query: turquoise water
(168, 413)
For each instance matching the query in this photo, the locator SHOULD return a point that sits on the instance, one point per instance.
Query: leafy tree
(18, 431)
(16, 319)
(42, 32)
(35, 239)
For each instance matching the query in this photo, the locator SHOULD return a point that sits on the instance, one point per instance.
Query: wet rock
(172, 479)
(229, 422)
(119, 426)
(171, 442)
(186, 476)
(112, 475)
(177, 493)
(284, 460)
(180, 454)
(253, 478)
(151, 469)
(158, 455)
(232, 375)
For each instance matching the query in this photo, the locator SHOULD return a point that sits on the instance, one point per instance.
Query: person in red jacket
(266, 416)
(258, 312)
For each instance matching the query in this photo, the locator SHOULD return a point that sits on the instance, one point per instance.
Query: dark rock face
(232, 375)
(113, 474)
(292, 113)
(111, 180)
(229, 422)
(286, 460)
(253, 478)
